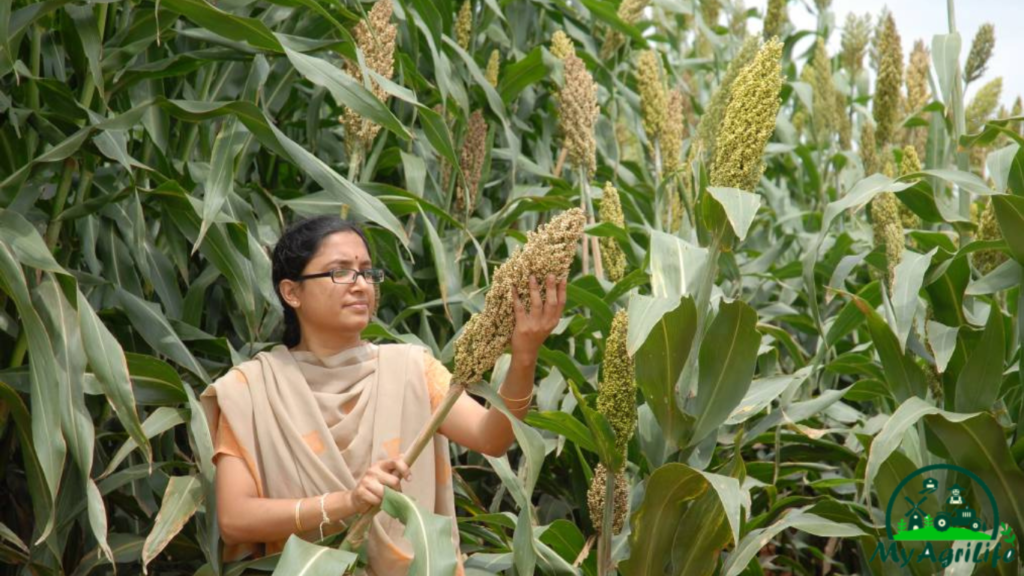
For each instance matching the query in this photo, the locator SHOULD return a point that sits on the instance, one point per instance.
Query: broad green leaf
(441, 260)
(126, 548)
(86, 27)
(1000, 163)
(700, 535)
(946, 58)
(903, 376)
(522, 74)
(728, 355)
(564, 424)
(909, 279)
(763, 391)
(308, 559)
(42, 498)
(238, 28)
(1005, 277)
(965, 180)
(757, 539)
(978, 385)
(859, 196)
(157, 332)
(977, 443)
(222, 174)
(659, 362)
(601, 430)
(346, 90)
(45, 399)
(646, 312)
(942, 342)
(108, 363)
(161, 420)
(26, 243)
(1010, 215)
(182, 498)
(669, 490)
(530, 441)
(740, 207)
(155, 381)
(66, 338)
(361, 203)
(676, 266)
(891, 436)
(430, 534)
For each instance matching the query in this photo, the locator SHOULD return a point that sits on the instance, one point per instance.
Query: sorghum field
(798, 280)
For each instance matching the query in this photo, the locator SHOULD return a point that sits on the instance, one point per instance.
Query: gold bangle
(508, 401)
(298, 520)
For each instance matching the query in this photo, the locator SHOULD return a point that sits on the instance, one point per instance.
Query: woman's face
(324, 307)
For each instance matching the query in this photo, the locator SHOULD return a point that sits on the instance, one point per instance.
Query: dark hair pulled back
(297, 246)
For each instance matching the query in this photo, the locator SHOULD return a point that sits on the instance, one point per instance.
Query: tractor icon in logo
(964, 517)
(925, 513)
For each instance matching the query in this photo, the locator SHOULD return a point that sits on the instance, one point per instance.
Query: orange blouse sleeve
(438, 379)
(227, 443)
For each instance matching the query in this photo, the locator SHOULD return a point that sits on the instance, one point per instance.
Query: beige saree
(311, 425)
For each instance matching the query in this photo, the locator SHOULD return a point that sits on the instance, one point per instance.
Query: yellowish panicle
(711, 121)
(612, 257)
(578, 111)
(561, 45)
(775, 19)
(673, 132)
(375, 37)
(652, 94)
(888, 231)
(471, 160)
(887, 99)
(749, 120)
(856, 35)
(464, 25)
(981, 52)
(548, 250)
(595, 499)
(493, 67)
(616, 397)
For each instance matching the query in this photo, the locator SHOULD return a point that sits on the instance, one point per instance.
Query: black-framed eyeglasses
(348, 276)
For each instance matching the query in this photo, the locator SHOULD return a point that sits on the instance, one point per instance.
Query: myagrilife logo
(930, 522)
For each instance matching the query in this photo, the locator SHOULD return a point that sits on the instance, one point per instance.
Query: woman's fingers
(402, 469)
(535, 302)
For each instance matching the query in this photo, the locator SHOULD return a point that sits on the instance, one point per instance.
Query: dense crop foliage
(799, 280)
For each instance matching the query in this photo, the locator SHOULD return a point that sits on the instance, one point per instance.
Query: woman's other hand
(369, 491)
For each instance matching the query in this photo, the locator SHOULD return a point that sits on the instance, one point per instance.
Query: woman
(308, 434)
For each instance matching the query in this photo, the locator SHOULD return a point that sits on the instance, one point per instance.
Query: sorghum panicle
(749, 121)
(612, 256)
(548, 250)
(595, 499)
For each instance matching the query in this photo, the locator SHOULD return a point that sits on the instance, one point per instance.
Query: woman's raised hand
(369, 491)
(533, 327)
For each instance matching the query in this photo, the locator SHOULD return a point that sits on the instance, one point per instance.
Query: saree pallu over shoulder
(313, 425)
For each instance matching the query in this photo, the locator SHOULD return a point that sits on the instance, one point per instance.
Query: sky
(922, 19)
